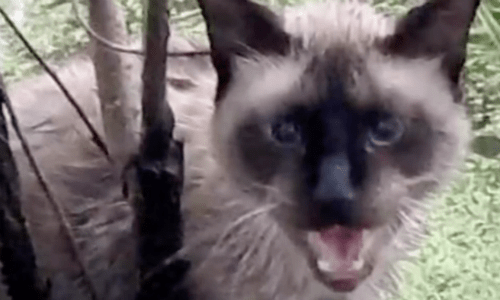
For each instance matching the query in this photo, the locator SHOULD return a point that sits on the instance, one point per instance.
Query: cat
(312, 140)
(331, 125)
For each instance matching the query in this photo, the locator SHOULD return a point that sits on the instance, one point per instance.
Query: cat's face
(348, 117)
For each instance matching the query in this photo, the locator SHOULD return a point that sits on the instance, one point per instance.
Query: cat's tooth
(358, 264)
(324, 265)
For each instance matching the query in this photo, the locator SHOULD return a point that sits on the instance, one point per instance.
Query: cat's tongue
(339, 248)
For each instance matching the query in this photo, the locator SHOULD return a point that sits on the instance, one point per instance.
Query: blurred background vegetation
(461, 259)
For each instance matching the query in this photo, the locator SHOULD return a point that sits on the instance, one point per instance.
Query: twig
(59, 211)
(121, 48)
(95, 136)
(16, 249)
(103, 41)
(189, 53)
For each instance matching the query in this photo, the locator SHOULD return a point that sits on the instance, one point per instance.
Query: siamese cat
(331, 124)
(312, 140)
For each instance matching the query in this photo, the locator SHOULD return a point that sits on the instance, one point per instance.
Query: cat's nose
(335, 211)
(334, 197)
(334, 179)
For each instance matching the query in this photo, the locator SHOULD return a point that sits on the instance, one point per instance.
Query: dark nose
(333, 198)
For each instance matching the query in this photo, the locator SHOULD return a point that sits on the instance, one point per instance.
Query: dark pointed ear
(238, 28)
(439, 27)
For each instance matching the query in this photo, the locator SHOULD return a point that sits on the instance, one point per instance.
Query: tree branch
(121, 48)
(95, 136)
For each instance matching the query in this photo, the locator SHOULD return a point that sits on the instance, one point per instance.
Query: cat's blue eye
(386, 131)
(286, 132)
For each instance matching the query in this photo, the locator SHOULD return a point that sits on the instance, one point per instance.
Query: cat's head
(351, 116)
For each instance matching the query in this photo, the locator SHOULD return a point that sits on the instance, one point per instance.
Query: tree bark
(118, 91)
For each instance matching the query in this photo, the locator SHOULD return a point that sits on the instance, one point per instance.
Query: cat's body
(306, 178)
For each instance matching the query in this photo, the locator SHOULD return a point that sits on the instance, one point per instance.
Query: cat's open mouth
(336, 257)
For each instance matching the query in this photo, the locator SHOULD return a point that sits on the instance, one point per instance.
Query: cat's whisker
(231, 227)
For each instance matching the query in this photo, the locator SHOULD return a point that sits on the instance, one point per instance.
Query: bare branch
(95, 135)
(121, 48)
(189, 53)
(16, 249)
(56, 206)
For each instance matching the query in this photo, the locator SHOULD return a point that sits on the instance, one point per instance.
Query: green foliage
(461, 259)
(133, 15)
(50, 27)
(54, 31)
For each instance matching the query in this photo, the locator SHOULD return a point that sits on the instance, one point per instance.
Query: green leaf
(486, 146)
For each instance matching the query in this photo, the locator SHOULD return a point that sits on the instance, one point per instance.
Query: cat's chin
(336, 257)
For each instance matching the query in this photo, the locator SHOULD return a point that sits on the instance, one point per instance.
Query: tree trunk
(118, 89)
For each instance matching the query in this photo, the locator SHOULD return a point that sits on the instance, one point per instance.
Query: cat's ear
(240, 28)
(438, 27)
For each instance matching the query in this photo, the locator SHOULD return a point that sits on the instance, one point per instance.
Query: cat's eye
(386, 131)
(286, 132)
